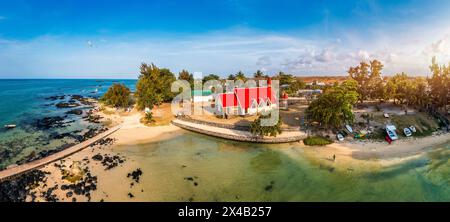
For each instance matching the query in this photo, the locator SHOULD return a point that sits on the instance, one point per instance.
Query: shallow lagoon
(194, 167)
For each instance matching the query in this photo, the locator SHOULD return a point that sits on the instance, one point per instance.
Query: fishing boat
(407, 132)
(10, 126)
(349, 128)
(390, 130)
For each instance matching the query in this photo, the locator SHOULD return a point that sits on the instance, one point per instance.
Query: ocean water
(23, 102)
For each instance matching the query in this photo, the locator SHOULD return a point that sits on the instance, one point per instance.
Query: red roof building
(244, 101)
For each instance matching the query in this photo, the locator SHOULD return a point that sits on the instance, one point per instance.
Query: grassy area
(317, 141)
(425, 126)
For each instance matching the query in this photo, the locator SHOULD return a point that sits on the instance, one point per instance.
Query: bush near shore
(317, 141)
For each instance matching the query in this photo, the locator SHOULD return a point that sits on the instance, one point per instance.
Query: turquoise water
(201, 92)
(234, 171)
(23, 102)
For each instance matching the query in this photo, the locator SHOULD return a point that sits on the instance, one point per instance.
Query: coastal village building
(246, 101)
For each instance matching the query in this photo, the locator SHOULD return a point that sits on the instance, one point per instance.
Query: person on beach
(334, 157)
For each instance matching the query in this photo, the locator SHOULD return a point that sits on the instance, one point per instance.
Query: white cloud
(222, 53)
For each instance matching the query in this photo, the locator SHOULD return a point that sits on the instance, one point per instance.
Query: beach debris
(135, 175)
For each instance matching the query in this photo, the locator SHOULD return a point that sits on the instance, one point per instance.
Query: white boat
(349, 128)
(386, 115)
(340, 137)
(413, 129)
(10, 126)
(390, 130)
(407, 132)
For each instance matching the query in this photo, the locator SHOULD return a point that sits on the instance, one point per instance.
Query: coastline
(355, 156)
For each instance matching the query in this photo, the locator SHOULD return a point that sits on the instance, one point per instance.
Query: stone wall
(230, 126)
(242, 137)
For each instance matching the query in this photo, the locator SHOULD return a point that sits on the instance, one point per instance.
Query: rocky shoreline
(20, 188)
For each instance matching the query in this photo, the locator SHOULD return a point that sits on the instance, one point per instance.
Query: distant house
(201, 96)
(246, 101)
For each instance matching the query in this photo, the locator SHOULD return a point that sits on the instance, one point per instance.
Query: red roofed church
(246, 101)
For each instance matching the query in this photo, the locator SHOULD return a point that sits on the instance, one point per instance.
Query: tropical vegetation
(118, 95)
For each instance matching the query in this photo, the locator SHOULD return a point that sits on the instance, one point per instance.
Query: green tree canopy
(210, 77)
(118, 95)
(185, 75)
(153, 86)
(439, 84)
(284, 78)
(241, 76)
(368, 77)
(258, 74)
(334, 106)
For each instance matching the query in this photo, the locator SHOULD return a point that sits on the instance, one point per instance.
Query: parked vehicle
(413, 129)
(340, 137)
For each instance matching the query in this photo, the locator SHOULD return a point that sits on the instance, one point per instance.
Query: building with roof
(246, 100)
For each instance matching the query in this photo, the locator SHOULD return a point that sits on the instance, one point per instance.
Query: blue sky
(109, 39)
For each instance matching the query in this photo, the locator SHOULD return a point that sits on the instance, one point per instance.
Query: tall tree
(241, 76)
(231, 77)
(258, 74)
(118, 95)
(185, 75)
(153, 86)
(439, 84)
(210, 77)
(368, 77)
(284, 78)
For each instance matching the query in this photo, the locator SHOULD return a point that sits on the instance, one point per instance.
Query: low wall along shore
(238, 135)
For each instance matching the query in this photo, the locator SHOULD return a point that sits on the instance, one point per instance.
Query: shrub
(317, 141)
(257, 129)
(118, 95)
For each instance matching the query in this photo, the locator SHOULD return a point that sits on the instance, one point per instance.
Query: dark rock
(130, 195)
(98, 157)
(53, 98)
(75, 112)
(17, 189)
(135, 175)
(67, 105)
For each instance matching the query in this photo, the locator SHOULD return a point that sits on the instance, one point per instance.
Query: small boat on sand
(10, 126)
(349, 128)
(407, 132)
